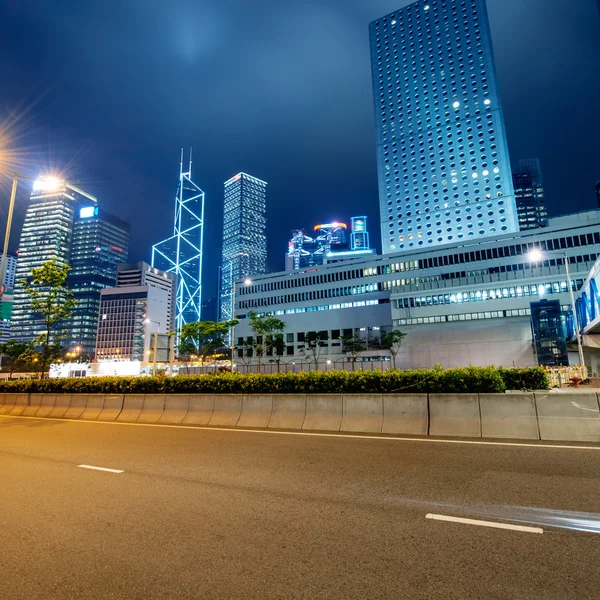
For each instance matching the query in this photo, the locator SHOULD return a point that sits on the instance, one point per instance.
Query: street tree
(13, 350)
(392, 340)
(263, 326)
(353, 346)
(51, 301)
(276, 346)
(204, 338)
(313, 343)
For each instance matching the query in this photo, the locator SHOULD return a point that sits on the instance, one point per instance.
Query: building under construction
(329, 243)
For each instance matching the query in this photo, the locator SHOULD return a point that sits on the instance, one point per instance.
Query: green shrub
(437, 380)
(534, 378)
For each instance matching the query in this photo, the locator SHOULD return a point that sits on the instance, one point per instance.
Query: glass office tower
(47, 234)
(443, 166)
(529, 194)
(244, 235)
(100, 242)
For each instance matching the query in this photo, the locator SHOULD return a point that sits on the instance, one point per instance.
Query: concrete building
(244, 235)
(460, 304)
(10, 273)
(6, 308)
(140, 305)
(441, 143)
(529, 194)
(142, 274)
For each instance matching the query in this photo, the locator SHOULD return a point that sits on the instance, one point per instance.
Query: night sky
(107, 91)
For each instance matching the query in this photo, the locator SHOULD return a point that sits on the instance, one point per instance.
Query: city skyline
(520, 63)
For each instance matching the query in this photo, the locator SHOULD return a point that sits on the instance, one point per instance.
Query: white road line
(340, 436)
(485, 523)
(100, 469)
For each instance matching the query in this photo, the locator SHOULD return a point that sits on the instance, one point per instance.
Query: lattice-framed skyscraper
(182, 252)
(442, 157)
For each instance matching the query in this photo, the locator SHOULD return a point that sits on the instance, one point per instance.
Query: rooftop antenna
(181, 164)
(190, 172)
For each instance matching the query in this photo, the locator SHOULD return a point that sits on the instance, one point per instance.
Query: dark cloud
(281, 90)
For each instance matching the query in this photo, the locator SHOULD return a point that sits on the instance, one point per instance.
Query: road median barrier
(7, 402)
(176, 408)
(323, 412)
(454, 415)
(132, 408)
(20, 404)
(509, 416)
(405, 414)
(200, 409)
(93, 407)
(48, 402)
(568, 417)
(113, 405)
(78, 404)
(154, 406)
(288, 412)
(35, 401)
(227, 411)
(256, 410)
(362, 413)
(61, 406)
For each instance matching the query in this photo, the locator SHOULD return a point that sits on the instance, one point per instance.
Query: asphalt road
(208, 514)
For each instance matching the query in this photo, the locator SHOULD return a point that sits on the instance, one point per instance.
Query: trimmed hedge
(437, 380)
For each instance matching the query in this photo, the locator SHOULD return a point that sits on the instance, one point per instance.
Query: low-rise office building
(459, 304)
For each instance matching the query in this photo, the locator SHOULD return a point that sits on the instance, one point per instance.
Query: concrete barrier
(405, 414)
(200, 409)
(362, 412)
(256, 410)
(454, 415)
(93, 407)
(78, 404)
(7, 403)
(132, 408)
(21, 402)
(570, 417)
(227, 410)
(176, 408)
(35, 401)
(61, 406)
(154, 406)
(48, 402)
(323, 412)
(288, 412)
(113, 405)
(508, 416)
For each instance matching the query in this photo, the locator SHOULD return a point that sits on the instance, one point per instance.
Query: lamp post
(155, 344)
(535, 256)
(232, 333)
(11, 209)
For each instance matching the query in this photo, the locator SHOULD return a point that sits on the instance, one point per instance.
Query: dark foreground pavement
(234, 514)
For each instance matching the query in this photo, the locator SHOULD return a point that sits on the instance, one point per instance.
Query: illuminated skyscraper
(181, 254)
(47, 234)
(529, 194)
(244, 235)
(443, 166)
(100, 242)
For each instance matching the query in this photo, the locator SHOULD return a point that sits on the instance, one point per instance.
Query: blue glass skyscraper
(443, 166)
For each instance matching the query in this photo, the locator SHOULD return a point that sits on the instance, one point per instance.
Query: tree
(392, 340)
(313, 344)
(276, 344)
(13, 350)
(263, 326)
(354, 346)
(52, 302)
(204, 337)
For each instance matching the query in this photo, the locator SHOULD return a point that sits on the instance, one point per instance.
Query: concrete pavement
(200, 513)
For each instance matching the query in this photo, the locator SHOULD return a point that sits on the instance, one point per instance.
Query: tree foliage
(52, 302)
(264, 327)
(392, 340)
(204, 338)
(353, 346)
(14, 351)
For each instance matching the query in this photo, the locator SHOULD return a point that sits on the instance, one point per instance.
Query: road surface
(200, 513)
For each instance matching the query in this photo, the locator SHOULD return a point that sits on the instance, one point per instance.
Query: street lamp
(247, 281)
(536, 255)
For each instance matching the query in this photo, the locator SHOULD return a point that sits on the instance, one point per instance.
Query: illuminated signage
(330, 226)
(88, 211)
